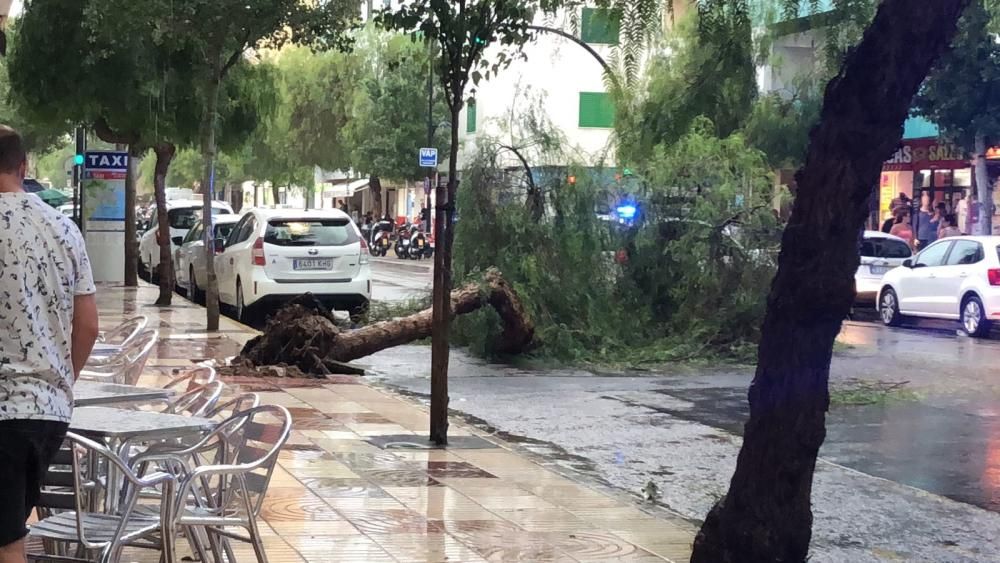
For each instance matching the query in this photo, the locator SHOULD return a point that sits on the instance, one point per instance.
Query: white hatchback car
(273, 255)
(954, 278)
(879, 254)
(189, 258)
(181, 215)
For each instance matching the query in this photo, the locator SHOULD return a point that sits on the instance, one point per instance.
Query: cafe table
(119, 428)
(97, 393)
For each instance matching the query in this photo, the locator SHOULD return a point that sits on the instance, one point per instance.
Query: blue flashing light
(627, 211)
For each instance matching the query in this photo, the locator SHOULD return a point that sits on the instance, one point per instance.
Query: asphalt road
(916, 478)
(398, 280)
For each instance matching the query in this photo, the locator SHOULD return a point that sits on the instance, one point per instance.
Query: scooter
(403, 239)
(418, 244)
(381, 238)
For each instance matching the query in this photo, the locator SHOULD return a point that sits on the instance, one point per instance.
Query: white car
(879, 254)
(953, 278)
(273, 255)
(189, 258)
(182, 215)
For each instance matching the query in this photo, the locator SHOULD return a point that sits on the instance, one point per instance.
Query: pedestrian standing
(948, 227)
(48, 326)
(902, 228)
(890, 220)
(963, 213)
(926, 230)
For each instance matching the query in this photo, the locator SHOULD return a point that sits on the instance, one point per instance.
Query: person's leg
(16, 448)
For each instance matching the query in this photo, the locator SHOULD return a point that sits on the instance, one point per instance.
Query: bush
(699, 260)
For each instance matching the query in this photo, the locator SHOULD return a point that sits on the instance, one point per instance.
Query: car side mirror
(220, 245)
(908, 263)
(177, 241)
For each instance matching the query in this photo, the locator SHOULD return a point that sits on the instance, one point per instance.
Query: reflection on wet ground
(942, 451)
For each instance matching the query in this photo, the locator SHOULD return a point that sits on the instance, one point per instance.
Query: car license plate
(420, 243)
(879, 270)
(313, 264)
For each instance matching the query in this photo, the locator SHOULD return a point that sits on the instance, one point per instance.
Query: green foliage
(708, 71)
(700, 260)
(38, 137)
(779, 127)
(962, 93)
(388, 123)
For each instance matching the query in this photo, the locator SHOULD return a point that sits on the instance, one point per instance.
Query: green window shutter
(470, 117)
(598, 26)
(596, 110)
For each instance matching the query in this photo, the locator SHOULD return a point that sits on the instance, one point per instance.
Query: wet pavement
(913, 478)
(343, 492)
(399, 280)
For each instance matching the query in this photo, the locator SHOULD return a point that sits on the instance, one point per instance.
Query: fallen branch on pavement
(305, 335)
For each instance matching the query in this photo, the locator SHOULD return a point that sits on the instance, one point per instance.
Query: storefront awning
(347, 189)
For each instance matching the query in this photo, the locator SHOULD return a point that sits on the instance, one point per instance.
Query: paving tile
(327, 549)
(431, 547)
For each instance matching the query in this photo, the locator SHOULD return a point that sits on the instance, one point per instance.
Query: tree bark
(275, 194)
(131, 239)
(304, 335)
(164, 156)
(208, 150)
(375, 185)
(984, 222)
(766, 515)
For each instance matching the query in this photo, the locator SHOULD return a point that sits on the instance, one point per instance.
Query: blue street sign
(428, 158)
(106, 160)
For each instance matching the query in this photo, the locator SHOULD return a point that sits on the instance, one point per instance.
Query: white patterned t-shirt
(43, 267)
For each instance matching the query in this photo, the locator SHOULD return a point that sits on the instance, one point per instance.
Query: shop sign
(923, 154)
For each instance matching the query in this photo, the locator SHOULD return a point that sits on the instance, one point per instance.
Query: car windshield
(185, 217)
(884, 248)
(310, 232)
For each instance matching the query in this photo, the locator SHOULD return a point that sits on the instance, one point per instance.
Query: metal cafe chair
(125, 332)
(126, 366)
(222, 480)
(105, 534)
(191, 378)
(197, 401)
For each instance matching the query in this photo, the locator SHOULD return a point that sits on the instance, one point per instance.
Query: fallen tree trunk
(305, 335)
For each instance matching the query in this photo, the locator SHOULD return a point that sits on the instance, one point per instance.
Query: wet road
(398, 280)
(914, 479)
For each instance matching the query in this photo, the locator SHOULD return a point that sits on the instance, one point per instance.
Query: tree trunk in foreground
(766, 516)
(984, 192)
(305, 335)
(375, 185)
(131, 239)
(208, 150)
(164, 156)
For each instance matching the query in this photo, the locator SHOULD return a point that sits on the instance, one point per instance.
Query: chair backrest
(124, 333)
(191, 378)
(196, 402)
(86, 453)
(137, 354)
(249, 443)
(234, 406)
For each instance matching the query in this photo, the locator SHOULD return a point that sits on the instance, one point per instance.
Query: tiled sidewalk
(338, 498)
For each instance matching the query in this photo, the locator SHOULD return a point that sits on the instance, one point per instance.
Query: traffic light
(78, 160)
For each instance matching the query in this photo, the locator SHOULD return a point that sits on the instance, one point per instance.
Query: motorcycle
(381, 238)
(418, 245)
(403, 239)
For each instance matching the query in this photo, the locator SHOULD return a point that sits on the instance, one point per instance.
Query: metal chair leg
(255, 539)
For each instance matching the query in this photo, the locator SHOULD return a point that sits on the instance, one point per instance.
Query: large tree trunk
(766, 516)
(208, 150)
(164, 156)
(444, 237)
(131, 238)
(984, 222)
(305, 335)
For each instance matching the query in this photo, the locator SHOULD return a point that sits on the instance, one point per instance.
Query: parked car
(189, 258)
(953, 278)
(880, 253)
(273, 255)
(182, 215)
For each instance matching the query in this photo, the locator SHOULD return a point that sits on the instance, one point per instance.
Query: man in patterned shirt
(48, 325)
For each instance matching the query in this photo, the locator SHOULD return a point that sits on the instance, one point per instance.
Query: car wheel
(888, 308)
(973, 316)
(196, 293)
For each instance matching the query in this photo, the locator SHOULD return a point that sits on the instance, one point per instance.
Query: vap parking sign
(428, 158)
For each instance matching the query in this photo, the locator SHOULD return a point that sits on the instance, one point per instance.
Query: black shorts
(27, 447)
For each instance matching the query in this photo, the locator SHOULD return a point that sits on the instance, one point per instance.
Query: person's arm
(85, 330)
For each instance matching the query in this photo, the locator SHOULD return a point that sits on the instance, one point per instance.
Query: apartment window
(470, 117)
(596, 110)
(599, 26)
